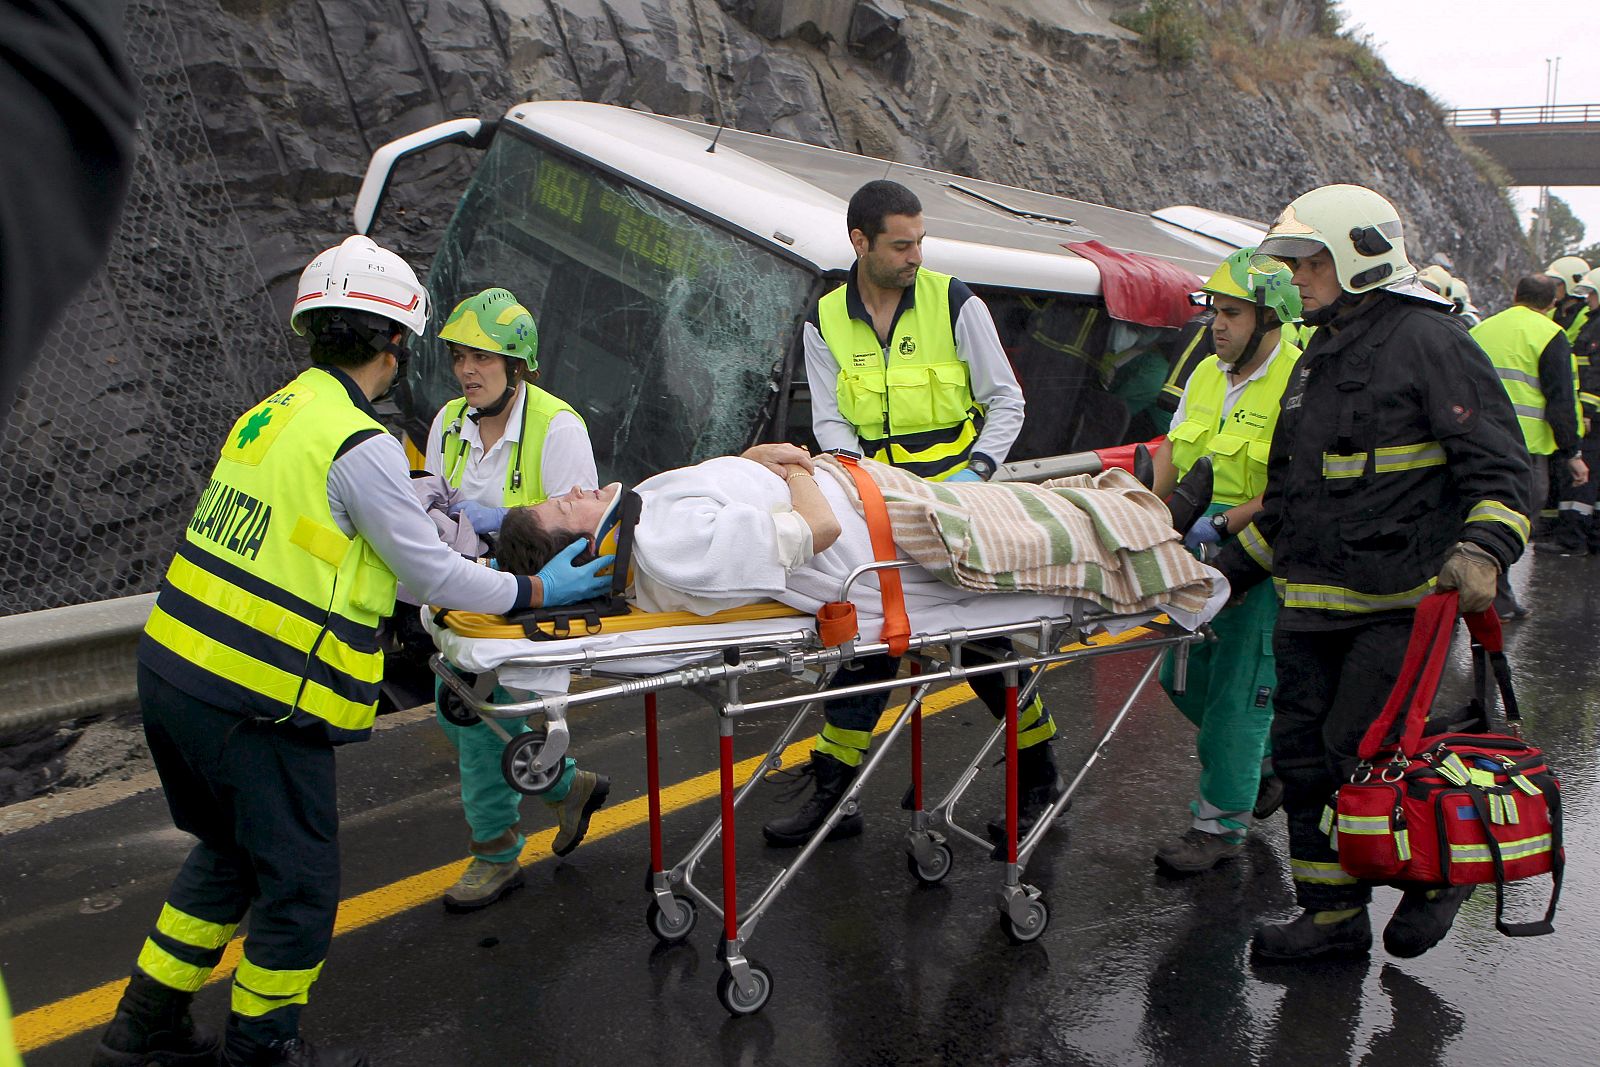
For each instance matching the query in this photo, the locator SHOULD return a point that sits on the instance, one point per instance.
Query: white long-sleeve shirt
(994, 383)
(567, 461)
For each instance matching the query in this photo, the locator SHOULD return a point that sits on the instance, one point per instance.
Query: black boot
(1315, 935)
(1422, 919)
(152, 1026)
(832, 779)
(294, 1052)
(1039, 785)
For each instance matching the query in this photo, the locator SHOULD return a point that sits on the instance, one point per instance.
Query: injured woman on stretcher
(776, 524)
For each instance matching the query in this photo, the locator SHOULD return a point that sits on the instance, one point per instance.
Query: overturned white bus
(670, 265)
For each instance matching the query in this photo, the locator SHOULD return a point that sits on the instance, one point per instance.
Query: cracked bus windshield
(663, 331)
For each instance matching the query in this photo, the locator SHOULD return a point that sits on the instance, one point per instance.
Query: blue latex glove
(1201, 533)
(485, 518)
(565, 583)
(965, 474)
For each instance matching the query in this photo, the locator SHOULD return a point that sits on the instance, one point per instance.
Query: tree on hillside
(1562, 235)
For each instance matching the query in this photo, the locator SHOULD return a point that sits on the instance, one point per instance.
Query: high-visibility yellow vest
(910, 401)
(1514, 340)
(1579, 321)
(525, 472)
(268, 607)
(1238, 442)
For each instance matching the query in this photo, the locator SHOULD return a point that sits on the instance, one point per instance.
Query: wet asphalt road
(870, 968)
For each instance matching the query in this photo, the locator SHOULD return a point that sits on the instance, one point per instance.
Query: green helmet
(1264, 286)
(493, 321)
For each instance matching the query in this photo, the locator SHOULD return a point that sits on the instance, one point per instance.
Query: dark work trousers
(261, 799)
(1576, 531)
(857, 715)
(1331, 686)
(1540, 491)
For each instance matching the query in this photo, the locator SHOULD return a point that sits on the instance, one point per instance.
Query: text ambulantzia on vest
(910, 401)
(268, 606)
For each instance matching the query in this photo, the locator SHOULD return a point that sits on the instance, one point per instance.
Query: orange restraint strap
(896, 626)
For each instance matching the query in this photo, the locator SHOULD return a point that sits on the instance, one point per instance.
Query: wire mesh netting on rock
(118, 422)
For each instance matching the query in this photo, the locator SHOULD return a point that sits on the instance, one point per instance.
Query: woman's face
(481, 375)
(578, 511)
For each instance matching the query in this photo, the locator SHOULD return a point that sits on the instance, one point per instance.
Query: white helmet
(359, 275)
(1568, 269)
(1358, 227)
(1590, 283)
(1436, 278)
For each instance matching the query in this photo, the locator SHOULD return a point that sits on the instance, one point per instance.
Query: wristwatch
(981, 465)
(1219, 523)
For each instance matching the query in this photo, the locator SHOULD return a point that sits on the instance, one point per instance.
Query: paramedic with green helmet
(1228, 412)
(505, 443)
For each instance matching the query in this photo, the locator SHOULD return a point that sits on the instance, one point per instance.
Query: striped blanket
(1105, 538)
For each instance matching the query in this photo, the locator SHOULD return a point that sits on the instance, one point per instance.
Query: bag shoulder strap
(896, 624)
(1412, 696)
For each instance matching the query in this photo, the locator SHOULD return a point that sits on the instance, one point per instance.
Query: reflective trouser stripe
(1509, 850)
(1394, 458)
(183, 950)
(259, 990)
(1338, 598)
(1578, 508)
(846, 746)
(1495, 511)
(1256, 546)
(1313, 873)
(1337, 465)
(1034, 725)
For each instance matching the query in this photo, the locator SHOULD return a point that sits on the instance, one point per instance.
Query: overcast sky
(1491, 53)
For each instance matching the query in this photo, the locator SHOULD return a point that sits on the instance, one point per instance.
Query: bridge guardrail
(1521, 116)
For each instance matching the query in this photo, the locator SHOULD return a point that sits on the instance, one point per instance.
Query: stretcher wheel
(671, 929)
(1038, 919)
(935, 871)
(736, 1001)
(454, 711)
(516, 763)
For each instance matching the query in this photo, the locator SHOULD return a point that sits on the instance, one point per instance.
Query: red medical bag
(1450, 808)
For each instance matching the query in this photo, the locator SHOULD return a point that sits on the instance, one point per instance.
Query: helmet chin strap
(1324, 315)
(489, 412)
(1252, 345)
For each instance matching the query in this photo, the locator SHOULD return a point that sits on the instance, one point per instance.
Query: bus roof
(795, 195)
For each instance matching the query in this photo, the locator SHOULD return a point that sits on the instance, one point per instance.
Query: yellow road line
(93, 1008)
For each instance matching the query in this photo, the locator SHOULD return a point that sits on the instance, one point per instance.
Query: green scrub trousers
(492, 807)
(1229, 697)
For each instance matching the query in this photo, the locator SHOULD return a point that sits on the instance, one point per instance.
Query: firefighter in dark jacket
(1578, 527)
(1397, 467)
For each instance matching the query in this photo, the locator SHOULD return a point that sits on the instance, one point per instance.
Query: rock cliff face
(261, 115)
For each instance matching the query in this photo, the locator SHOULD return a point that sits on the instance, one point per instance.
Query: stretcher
(481, 658)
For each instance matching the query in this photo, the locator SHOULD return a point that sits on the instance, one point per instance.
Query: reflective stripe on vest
(911, 401)
(267, 596)
(1239, 442)
(1514, 339)
(538, 409)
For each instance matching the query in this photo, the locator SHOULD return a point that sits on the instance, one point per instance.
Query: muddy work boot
(1422, 919)
(1039, 785)
(832, 779)
(1196, 851)
(1313, 935)
(153, 1026)
(573, 811)
(294, 1052)
(482, 883)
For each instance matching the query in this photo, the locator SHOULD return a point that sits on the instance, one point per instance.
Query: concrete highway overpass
(1555, 145)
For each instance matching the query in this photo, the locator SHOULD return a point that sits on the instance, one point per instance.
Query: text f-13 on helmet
(358, 275)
